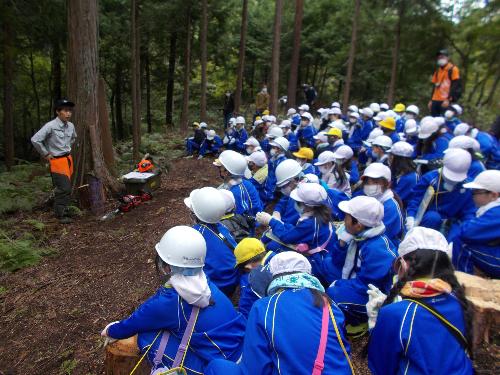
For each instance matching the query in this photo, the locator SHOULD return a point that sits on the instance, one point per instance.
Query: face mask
(298, 208)
(249, 150)
(448, 114)
(273, 152)
(372, 190)
(324, 170)
(442, 62)
(264, 91)
(286, 190)
(410, 116)
(304, 123)
(352, 120)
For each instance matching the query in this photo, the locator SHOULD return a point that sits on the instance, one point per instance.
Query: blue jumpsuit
(486, 143)
(476, 167)
(456, 205)
(400, 125)
(220, 260)
(294, 142)
(305, 136)
(438, 147)
(403, 186)
(211, 147)
(218, 333)
(240, 137)
(372, 265)
(493, 161)
(271, 175)
(452, 124)
(282, 337)
(247, 198)
(408, 339)
(361, 132)
(286, 208)
(478, 244)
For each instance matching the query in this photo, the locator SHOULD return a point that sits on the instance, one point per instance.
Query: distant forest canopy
(392, 61)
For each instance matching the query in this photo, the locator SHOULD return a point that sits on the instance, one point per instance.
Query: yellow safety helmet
(388, 123)
(197, 124)
(335, 132)
(304, 153)
(265, 112)
(400, 107)
(247, 249)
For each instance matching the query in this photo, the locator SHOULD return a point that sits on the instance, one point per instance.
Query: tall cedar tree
(275, 58)
(241, 56)
(203, 47)
(187, 72)
(352, 54)
(8, 87)
(294, 63)
(136, 80)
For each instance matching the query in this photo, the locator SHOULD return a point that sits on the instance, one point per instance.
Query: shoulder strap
(337, 332)
(186, 338)
(446, 323)
(450, 71)
(161, 349)
(323, 246)
(319, 362)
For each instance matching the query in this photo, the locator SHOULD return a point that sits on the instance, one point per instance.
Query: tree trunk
(203, 47)
(275, 59)
(241, 56)
(395, 55)
(170, 80)
(120, 128)
(8, 89)
(106, 139)
(187, 72)
(352, 54)
(82, 83)
(147, 67)
(56, 72)
(35, 89)
(493, 90)
(136, 81)
(294, 64)
(315, 71)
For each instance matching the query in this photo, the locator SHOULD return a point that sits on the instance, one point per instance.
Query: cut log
(122, 356)
(484, 296)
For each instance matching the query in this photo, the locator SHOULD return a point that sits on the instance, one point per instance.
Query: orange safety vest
(442, 82)
(62, 165)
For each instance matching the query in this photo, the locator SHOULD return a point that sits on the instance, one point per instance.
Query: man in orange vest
(447, 86)
(53, 141)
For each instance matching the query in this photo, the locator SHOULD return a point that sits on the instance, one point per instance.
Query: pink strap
(319, 362)
(322, 247)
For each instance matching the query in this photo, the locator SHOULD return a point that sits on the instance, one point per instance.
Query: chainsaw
(127, 203)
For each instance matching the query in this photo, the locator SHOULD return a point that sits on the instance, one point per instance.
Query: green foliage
(68, 366)
(23, 188)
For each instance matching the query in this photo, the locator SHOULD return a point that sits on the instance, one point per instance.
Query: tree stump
(122, 356)
(484, 296)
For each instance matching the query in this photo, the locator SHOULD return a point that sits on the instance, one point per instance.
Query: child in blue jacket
(211, 145)
(403, 170)
(284, 329)
(363, 256)
(306, 131)
(478, 242)
(218, 329)
(425, 324)
(279, 148)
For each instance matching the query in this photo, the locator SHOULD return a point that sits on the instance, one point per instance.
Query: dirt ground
(51, 314)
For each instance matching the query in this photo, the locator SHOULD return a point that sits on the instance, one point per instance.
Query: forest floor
(51, 314)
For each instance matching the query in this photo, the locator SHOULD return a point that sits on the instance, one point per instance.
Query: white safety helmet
(285, 124)
(440, 120)
(291, 111)
(257, 123)
(353, 108)
(234, 163)
(462, 141)
(376, 132)
(321, 136)
(343, 152)
(488, 180)
(411, 127)
(382, 141)
(462, 129)
(203, 125)
(421, 238)
(402, 148)
(428, 126)
(325, 157)
(240, 120)
(280, 142)
(274, 132)
(211, 134)
(272, 118)
(309, 194)
(232, 121)
(456, 163)
(368, 112)
(391, 113)
(307, 115)
(207, 204)
(304, 107)
(287, 170)
(252, 141)
(380, 116)
(458, 110)
(412, 109)
(339, 124)
(335, 105)
(259, 158)
(334, 111)
(182, 246)
(354, 114)
(384, 106)
(375, 107)
(377, 170)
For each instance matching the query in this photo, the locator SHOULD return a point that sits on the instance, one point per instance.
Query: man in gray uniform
(53, 141)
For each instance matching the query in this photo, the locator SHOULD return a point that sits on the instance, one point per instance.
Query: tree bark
(147, 67)
(241, 56)
(56, 71)
(35, 89)
(203, 47)
(82, 83)
(8, 89)
(136, 81)
(275, 59)
(493, 90)
(106, 139)
(170, 80)
(120, 128)
(187, 72)
(352, 54)
(395, 54)
(294, 64)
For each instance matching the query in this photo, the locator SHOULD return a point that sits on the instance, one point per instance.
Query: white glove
(104, 332)
(277, 215)
(200, 157)
(232, 141)
(375, 301)
(226, 140)
(263, 218)
(409, 223)
(343, 234)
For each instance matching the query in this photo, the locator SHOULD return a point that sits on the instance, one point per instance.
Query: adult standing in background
(447, 85)
(228, 107)
(53, 141)
(262, 101)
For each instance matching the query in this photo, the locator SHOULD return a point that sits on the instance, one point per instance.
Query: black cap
(443, 51)
(60, 103)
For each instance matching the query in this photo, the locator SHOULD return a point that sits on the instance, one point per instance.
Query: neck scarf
(350, 259)
(193, 289)
(482, 210)
(425, 288)
(297, 280)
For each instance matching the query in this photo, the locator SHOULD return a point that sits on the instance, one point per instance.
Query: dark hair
(425, 146)
(435, 264)
(256, 258)
(322, 213)
(340, 174)
(401, 165)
